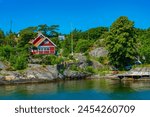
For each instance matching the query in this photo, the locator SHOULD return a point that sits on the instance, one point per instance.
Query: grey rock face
(97, 65)
(61, 76)
(75, 74)
(99, 52)
(2, 66)
(42, 72)
(80, 57)
(34, 73)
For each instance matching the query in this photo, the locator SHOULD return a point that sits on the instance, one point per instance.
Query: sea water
(96, 89)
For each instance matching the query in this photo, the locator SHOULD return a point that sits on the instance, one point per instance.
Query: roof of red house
(39, 42)
(43, 38)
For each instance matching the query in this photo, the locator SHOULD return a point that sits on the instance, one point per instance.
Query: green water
(102, 89)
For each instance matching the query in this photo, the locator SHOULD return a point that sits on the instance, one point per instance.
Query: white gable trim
(50, 41)
(40, 34)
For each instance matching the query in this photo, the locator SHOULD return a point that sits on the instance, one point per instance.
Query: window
(46, 42)
(45, 48)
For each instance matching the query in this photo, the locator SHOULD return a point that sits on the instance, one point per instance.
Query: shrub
(90, 69)
(50, 60)
(6, 51)
(88, 61)
(21, 63)
(74, 67)
(37, 56)
(71, 57)
(83, 45)
(60, 60)
(18, 62)
(65, 52)
(101, 59)
(86, 54)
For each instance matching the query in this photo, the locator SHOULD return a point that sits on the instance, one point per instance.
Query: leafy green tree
(95, 33)
(2, 34)
(57, 42)
(83, 45)
(2, 37)
(26, 35)
(53, 30)
(144, 46)
(121, 43)
(31, 29)
(49, 31)
(66, 46)
(43, 28)
(6, 51)
(74, 36)
(11, 39)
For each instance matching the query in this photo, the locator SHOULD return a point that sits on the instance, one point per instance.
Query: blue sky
(82, 14)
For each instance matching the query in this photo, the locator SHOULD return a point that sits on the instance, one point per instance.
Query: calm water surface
(103, 89)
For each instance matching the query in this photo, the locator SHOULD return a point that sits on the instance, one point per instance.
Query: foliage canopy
(121, 43)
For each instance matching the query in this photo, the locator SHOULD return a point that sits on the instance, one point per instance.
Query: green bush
(12, 59)
(88, 61)
(66, 52)
(103, 60)
(71, 57)
(21, 63)
(16, 58)
(18, 62)
(37, 56)
(86, 54)
(50, 60)
(2, 58)
(83, 45)
(6, 51)
(74, 67)
(60, 60)
(90, 69)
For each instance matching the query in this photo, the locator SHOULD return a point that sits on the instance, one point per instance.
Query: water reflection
(81, 89)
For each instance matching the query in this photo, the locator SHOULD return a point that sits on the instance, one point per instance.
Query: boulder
(61, 76)
(42, 72)
(35, 60)
(97, 65)
(9, 78)
(6, 73)
(1, 77)
(99, 52)
(30, 76)
(80, 57)
(83, 65)
(74, 74)
(2, 66)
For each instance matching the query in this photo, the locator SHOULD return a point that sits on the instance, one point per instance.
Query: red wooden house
(42, 45)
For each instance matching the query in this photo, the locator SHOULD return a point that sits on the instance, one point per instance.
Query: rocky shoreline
(74, 68)
(43, 74)
(38, 73)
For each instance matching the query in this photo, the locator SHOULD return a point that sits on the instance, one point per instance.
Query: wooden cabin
(42, 45)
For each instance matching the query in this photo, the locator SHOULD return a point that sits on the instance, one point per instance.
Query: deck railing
(42, 51)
